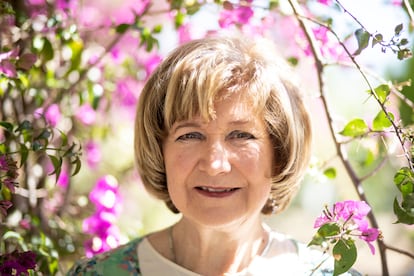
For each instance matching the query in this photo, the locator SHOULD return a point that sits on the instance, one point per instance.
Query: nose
(215, 159)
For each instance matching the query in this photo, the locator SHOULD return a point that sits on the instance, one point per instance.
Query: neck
(216, 251)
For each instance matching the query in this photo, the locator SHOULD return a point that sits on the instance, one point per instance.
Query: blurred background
(74, 70)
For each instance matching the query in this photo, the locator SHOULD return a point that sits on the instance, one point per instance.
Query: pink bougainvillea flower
(184, 33)
(52, 114)
(369, 235)
(36, 2)
(8, 69)
(98, 223)
(325, 2)
(102, 242)
(151, 63)
(93, 154)
(63, 180)
(86, 114)
(66, 4)
(105, 195)
(127, 92)
(352, 214)
(239, 15)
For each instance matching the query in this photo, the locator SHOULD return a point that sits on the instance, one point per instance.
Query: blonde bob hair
(196, 75)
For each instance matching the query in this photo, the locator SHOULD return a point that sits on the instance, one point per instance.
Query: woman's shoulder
(122, 260)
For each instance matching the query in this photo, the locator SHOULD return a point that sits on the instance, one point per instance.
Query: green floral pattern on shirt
(118, 262)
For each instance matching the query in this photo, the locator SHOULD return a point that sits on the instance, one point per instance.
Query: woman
(222, 136)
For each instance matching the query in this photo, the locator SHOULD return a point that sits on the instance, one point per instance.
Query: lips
(216, 191)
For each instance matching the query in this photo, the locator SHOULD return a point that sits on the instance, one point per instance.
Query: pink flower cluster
(52, 114)
(239, 14)
(351, 216)
(107, 200)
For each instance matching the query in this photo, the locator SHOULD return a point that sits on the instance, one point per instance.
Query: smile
(216, 192)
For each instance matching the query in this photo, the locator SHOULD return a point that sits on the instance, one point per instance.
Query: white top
(282, 256)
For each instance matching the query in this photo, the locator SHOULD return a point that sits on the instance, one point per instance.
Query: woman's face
(219, 172)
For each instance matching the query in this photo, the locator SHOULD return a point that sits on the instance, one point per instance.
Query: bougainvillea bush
(70, 77)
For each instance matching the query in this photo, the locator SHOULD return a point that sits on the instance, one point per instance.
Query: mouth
(216, 192)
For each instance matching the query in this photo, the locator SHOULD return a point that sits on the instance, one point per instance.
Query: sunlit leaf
(324, 233)
(179, 19)
(381, 121)
(330, 173)
(345, 255)
(362, 37)
(47, 51)
(76, 47)
(404, 177)
(382, 92)
(354, 128)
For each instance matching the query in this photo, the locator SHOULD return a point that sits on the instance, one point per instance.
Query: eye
(190, 136)
(243, 135)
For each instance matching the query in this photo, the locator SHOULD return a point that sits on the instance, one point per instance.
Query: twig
(319, 66)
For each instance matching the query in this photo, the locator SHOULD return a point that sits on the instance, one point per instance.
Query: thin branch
(403, 252)
(320, 68)
(371, 89)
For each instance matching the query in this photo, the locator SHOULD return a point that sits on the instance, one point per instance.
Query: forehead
(235, 108)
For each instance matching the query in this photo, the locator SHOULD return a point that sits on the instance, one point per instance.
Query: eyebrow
(185, 124)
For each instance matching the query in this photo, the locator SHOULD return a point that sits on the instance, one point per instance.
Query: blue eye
(241, 135)
(190, 136)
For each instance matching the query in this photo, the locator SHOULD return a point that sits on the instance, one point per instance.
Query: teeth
(212, 190)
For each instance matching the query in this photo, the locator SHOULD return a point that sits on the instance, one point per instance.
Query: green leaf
(330, 173)
(382, 92)
(179, 19)
(6, 125)
(354, 128)
(57, 165)
(122, 28)
(404, 179)
(381, 121)
(403, 215)
(17, 237)
(398, 29)
(362, 37)
(47, 50)
(378, 38)
(324, 233)
(76, 47)
(345, 255)
(78, 165)
(63, 138)
(24, 153)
